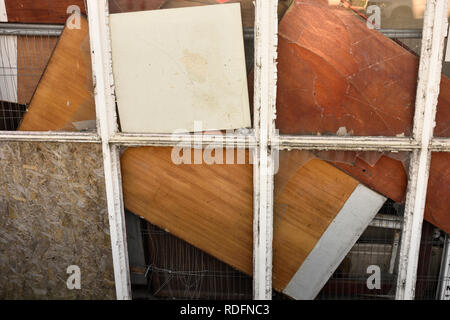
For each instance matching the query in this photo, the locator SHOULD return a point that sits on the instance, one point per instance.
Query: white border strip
(343, 232)
(434, 32)
(107, 126)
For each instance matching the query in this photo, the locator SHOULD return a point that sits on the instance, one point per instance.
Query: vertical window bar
(107, 127)
(434, 33)
(266, 26)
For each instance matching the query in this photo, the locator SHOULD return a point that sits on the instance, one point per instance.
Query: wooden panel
(33, 55)
(387, 175)
(65, 92)
(161, 93)
(437, 205)
(40, 11)
(118, 6)
(247, 7)
(210, 206)
(334, 73)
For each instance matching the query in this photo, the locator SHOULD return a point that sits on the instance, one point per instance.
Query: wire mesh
(23, 59)
(176, 270)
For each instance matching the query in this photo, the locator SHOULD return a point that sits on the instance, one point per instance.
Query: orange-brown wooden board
(337, 75)
(247, 8)
(41, 11)
(33, 55)
(64, 95)
(210, 206)
(118, 6)
(439, 191)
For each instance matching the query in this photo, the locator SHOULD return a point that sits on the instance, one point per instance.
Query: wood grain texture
(210, 206)
(33, 55)
(40, 11)
(334, 73)
(437, 204)
(65, 92)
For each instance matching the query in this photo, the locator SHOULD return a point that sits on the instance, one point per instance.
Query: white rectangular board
(173, 67)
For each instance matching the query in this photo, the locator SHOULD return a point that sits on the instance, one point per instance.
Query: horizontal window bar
(49, 136)
(21, 29)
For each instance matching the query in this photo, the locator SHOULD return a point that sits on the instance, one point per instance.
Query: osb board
(40, 11)
(64, 95)
(53, 214)
(336, 75)
(211, 206)
(33, 55)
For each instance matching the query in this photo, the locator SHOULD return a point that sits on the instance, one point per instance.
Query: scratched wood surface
(64, 95)
(336, 75)
(41, 11)
(210, 206)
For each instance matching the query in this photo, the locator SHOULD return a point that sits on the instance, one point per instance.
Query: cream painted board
(176, 66)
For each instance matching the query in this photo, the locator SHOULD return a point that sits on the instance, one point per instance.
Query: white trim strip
(340, 236)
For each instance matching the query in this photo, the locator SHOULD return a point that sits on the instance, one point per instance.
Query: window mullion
(266, 26)
(434, 33)
(107, 127)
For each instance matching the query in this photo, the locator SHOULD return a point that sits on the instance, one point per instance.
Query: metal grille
(177, 270)
(24, 55)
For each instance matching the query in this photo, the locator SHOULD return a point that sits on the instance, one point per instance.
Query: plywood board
(177, 66)
(41, 11)
(247, 7)
(64, 95)
(210, 206)
(336, 75)
(118, 6)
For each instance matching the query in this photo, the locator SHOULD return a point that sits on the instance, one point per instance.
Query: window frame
(264, 141)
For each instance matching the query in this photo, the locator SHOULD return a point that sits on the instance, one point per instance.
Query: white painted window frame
(262, 140)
